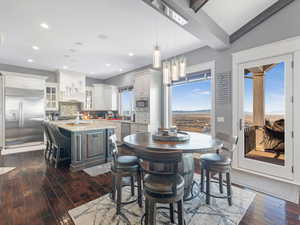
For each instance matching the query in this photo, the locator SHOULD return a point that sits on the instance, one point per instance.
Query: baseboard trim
(278, 189)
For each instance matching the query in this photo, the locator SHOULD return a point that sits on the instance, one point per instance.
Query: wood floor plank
(36, 193)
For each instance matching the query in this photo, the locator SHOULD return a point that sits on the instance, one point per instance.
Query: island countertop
(84, 125)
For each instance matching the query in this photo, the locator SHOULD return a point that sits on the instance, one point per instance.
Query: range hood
(71, 86)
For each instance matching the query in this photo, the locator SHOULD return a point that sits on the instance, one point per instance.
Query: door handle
(241, 124)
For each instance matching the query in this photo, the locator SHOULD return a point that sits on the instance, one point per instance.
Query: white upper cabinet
(71, 86)
(105, 97)
(111, 97)
(51, 96)
(89, 98)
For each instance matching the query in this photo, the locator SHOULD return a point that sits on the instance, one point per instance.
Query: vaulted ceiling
(97, 37)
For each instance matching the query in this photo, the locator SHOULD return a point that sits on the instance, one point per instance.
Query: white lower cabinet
(139, 128)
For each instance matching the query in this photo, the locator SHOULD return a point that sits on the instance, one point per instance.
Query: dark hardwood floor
(35, 193)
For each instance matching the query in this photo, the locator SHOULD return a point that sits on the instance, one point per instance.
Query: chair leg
(207, 187)
(171, 213)
(221, 182)
(147, 211)
(180, 212)
(202, 180)
(113, 193)
(119, 194)
(229, 192)
(46, 150)
(152, 213)
(140, 194)
(132, 185)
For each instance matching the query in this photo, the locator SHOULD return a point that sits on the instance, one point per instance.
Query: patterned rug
(102, 211)
(97, 170)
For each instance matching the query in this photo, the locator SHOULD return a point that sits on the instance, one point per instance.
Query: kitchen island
(89, 142)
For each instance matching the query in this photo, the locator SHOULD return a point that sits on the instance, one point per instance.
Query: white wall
(283, 25)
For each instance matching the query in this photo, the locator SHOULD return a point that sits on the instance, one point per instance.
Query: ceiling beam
(198, 24)
(196, 5)
(266, 14)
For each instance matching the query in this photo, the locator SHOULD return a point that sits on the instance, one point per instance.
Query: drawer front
(95, 144)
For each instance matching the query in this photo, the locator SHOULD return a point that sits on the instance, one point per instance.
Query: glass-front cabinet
(88, 104)
(51, 97)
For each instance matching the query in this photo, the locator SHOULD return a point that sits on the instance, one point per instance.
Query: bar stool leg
(207, 187)
(221, 182)
(113, 193)
(180, 212)
(202, 180)
(147, 211)
(152, 213)
(57, 157)
(228, 182)
(132, 185)
(140, 195)
(119, 194)
(171, 213)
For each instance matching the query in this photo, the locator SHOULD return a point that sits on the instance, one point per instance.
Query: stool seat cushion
(162, 184)
(215, 159)
(127, 160)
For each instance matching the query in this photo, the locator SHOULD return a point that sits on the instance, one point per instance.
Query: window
(191, 103)
(126, 102)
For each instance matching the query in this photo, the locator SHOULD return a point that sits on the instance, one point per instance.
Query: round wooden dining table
(198, 143)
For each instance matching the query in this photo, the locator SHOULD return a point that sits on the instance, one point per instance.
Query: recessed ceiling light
(102, 36)
(65, 67)
(35, 47)
(130, 54)
(121, 70)
(107, 64)
(30, 60)
(44, 25)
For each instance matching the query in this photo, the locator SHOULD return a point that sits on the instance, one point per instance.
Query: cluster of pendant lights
(173, 70)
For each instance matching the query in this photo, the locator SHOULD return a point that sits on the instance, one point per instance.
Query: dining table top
(198, 143)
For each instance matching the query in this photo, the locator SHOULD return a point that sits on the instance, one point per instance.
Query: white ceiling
(233, 14)
(130, 26)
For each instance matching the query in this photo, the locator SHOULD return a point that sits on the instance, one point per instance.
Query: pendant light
(182, 67)
(166, 72)
(156, 57)
(175, 69)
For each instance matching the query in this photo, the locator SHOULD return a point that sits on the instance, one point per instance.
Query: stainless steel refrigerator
(24, 113)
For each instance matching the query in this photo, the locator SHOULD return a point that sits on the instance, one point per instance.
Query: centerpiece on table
(171, 134)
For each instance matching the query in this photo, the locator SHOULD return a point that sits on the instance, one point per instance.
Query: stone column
(258, 99)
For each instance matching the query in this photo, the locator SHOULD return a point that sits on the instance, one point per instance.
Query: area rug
(4, 170)
(98, 170)
(102, 211)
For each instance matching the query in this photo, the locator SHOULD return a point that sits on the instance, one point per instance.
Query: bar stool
(220, 164)
(163, 186)
(48, 141)
(124, 166)
(60, 145)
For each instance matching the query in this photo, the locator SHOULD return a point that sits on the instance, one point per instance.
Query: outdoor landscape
(195, 121)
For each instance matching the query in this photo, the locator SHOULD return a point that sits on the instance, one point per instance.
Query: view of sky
(274, 91)
(192, 96)
(127, 101)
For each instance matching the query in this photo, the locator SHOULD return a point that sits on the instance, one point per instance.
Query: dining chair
(165, 186)
(60, 145)
(219, 163)
(124, 166)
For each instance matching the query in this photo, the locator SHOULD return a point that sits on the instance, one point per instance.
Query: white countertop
(84, 125)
